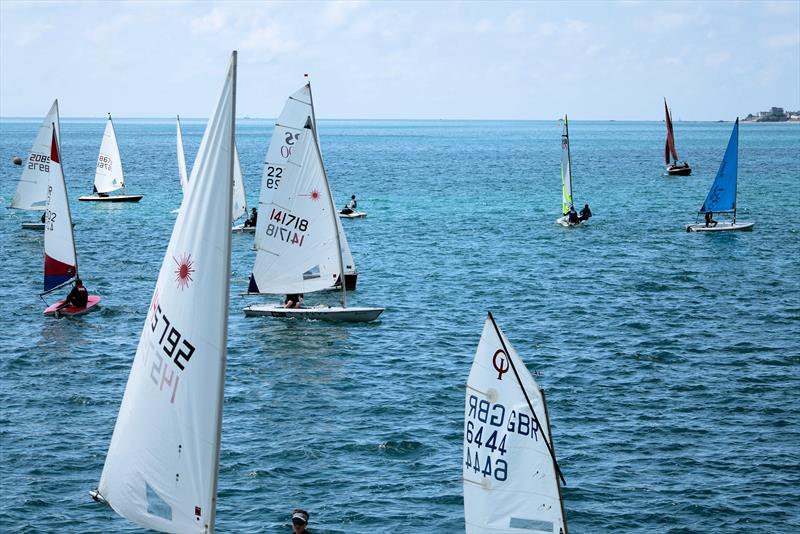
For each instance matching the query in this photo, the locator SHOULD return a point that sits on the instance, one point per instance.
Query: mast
(558, 486)
(736, 181)
(569, 161)
(330, 198)
(114, 132)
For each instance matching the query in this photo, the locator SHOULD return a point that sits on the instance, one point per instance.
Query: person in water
(586, 213)
(710, 219)
(299, 521)
(572, 216)
(251, 221)
(77, 298)
(294, 300)
(351, 206)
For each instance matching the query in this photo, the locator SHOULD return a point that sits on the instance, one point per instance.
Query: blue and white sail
(722, 195)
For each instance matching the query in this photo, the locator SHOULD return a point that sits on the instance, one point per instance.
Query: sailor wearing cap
(299, 521)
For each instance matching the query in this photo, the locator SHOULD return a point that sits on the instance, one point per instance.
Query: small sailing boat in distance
(673, 168)
(108, 176)
(509, 469)
(721, 197)
(60, 258)
(162, 465)
(569, 217)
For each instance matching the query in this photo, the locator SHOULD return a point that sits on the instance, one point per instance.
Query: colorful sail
(722, 195)
(108, 176)
(509, 472)
(566, 169)
(60, 260)
(296, 233)
(184, 178)
(239, 206)
(31, 191)
(162, 465)
(669, 148)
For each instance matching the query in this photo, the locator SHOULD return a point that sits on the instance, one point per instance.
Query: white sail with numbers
(31, 191)
(509, 471)
(108, 175)
(162, 464)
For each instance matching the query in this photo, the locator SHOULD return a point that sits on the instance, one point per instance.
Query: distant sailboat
(60, 258)
(673, 168)
(721, 197)
(31, 194)
(509, 469)
(298, 236)
(182, 175)
(162, 465)
(108, 175)
(567, 204)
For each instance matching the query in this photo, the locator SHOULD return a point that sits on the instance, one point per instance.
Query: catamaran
(31, 194)
(721, 197)
(60, 258)
(162, 465)
(298, 234)
(509, 469)
(673, 168)
(567, 205)
(108, 176)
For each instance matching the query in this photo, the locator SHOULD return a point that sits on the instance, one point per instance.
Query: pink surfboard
(92, 305)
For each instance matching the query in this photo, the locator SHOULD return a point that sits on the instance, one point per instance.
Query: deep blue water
(670, 360)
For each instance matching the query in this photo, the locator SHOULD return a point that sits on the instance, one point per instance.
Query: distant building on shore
(774, 115)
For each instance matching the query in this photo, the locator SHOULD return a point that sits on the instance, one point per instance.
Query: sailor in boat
(44, 216)
(710, 220)
(294, 300)
(586, 213)
(77, 298)
(572, 216)
(299, 521)
(250, 222)
(351, 206)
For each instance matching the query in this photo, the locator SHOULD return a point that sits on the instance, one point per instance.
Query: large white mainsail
(509, 470)
(182, 175)
(566, 169)
(108, 176)
(31, 191)
(296, 234)
(60, 259)
(162, 465)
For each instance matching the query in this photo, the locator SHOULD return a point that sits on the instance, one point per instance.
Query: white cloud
(213, 22)
(337, 12)
(783, 40)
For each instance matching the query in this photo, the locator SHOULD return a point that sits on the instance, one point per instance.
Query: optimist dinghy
(108, 176)
(566, 180)
(721, 197)
(509, 468)
(299, 240)
(162, 465)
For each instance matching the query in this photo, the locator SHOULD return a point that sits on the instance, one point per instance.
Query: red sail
(669, 148)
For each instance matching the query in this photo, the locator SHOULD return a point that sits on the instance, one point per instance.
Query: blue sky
(470, 60)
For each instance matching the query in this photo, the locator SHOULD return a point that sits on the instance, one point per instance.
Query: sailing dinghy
(108, 176)
(60, 258)
(721, 197)
(162, 465)
(673, 168)
(31, 194)
(566, 180)
(353, 215)
(510, 473)
(298, 234)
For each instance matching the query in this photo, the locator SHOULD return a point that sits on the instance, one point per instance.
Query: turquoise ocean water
(671, 361)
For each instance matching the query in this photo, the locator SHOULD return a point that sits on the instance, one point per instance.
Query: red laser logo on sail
(501, 365)
(314, 195)
(183, 274)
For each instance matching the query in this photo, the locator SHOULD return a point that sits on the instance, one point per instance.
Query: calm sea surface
(671, 360)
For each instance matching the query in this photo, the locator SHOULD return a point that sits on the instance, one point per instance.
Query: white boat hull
(720, 227)
(319, 313)
(353, 215)
(112, 198)
(242, 229)
(33, 226)
(563, 221)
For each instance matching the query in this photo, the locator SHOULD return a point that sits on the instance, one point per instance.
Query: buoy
(17, 160)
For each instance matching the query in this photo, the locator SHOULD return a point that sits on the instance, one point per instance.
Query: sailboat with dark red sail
(674, 168)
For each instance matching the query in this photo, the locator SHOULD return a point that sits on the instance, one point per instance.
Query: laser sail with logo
(108, 176)
(163, 461)
(31, 191)
(510, 475)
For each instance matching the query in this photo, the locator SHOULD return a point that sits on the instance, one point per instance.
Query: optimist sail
(108, 176)
(32, 187)
(296, 238)
(722, 195)
(566, 169)
(669, 147)
(184, 178)
(509, 472)
(162, 465)
(60, 260)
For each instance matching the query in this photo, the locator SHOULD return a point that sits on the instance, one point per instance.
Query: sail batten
(31, 193)
(722, 195)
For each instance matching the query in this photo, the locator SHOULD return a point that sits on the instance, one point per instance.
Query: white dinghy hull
(720, 227)
(563, 221)
(242, 229)
(335, 314)
(111, 198)
(353, 215)
(33, 226)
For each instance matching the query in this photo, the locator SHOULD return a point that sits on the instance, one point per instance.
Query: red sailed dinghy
(60, 260)
(673, 168)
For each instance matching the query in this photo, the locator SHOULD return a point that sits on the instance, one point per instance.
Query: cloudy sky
(471, 60)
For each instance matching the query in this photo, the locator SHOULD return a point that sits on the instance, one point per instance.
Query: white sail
(162, 464)
(347, 256)
(566, 169)
(32, 187)
(239, 206)
(509, 474)
(60, 260)
(184, 178)
(296, 233)
(108, 176)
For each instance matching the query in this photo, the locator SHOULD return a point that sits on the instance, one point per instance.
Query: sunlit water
(671, 360)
